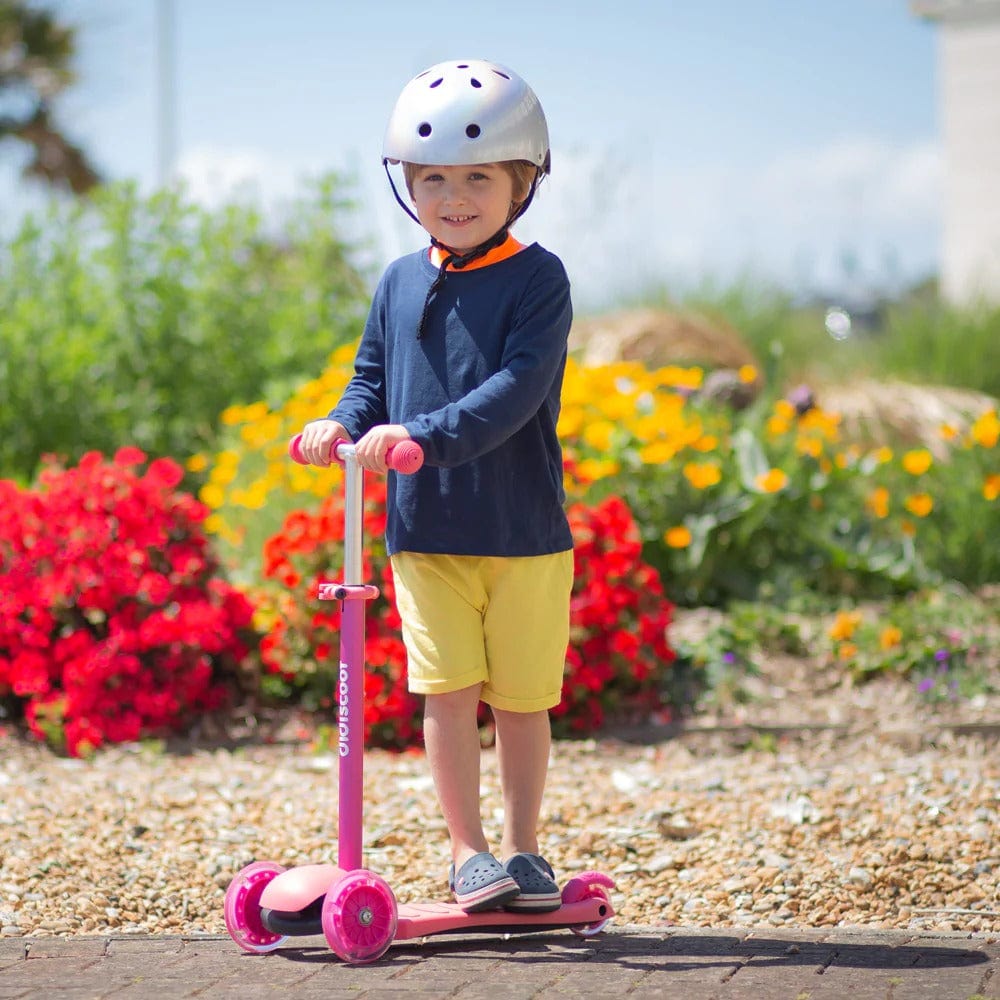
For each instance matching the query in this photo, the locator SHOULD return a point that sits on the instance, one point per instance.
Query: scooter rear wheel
(578, 889)
(360, 917)
(242, 908)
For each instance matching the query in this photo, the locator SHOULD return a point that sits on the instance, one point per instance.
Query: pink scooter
(354, 908)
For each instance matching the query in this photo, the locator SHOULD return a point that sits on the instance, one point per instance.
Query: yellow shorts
(499, 621)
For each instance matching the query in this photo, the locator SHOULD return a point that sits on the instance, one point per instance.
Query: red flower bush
(618, 648)
(114, 622)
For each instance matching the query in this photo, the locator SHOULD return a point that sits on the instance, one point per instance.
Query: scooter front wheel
(243, 910)
(359, 917)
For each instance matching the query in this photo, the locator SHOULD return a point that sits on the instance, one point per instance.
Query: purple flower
(925, 685)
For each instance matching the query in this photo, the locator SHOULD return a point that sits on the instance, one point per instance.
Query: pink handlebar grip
(405, 457)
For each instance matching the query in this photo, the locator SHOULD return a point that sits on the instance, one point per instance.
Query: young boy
(464, 352)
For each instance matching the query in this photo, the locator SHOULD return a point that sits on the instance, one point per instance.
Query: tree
(36, 55)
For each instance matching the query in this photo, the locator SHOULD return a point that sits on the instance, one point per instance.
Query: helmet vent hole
(424, 130)
(437, 82)
(475, 83)
(473, 131)
(504, 75)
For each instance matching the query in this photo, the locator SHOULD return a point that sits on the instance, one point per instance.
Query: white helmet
(467, 111)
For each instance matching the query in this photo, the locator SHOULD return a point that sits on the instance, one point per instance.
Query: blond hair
(522, 173)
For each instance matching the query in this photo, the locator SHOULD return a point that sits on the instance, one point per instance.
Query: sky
(794, 142)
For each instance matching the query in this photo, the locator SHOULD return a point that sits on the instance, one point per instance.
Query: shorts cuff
(505, 704)
(420, 685)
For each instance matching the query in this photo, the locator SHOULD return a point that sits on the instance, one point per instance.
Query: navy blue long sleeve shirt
(480, 392)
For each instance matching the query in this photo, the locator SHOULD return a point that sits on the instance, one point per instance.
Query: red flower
(114, 621)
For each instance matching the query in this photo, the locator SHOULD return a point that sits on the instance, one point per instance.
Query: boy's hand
(371, 448)
(317, 441)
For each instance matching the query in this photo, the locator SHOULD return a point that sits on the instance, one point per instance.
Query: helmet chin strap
(452, 257)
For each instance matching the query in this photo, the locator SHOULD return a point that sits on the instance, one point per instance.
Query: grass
(915, 338)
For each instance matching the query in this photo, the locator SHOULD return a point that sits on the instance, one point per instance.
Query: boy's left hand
(371, 449)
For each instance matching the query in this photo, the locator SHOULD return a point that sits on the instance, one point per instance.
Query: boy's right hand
(317, 439)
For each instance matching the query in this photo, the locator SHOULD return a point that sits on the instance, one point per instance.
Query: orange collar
(508, 248)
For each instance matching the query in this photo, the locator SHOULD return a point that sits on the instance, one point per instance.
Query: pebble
(850, 828)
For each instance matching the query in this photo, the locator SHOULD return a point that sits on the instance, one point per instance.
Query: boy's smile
(463, 206)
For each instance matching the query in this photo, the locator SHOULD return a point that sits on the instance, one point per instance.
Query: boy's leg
(451, 737)
(523, 742)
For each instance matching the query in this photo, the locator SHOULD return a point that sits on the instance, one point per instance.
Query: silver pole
(166, 91)
(353, 514)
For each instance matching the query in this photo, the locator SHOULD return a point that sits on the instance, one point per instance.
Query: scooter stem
(350, 679)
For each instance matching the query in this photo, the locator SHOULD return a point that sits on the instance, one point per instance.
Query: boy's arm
(363, 404)
(534, 354)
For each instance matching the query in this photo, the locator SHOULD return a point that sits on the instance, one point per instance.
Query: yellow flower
(705, 443)
(844, 625)
(784, 410)
(592, 469)
(878, 501)
(890, 636)
(917, 461)
(657, 453)
(701, 475)
(777, 425)
(986, 430)
(598, 434)
(197, 463)
(570, 422)
(231, 415)
(747, 374)
(882, 455)
(809, 446)
(677, 537)
(212, 495)
(919, 504)
(948, 432)
(772, 481)
(991, 486)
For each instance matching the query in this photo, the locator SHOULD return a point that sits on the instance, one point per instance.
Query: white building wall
(969, 94)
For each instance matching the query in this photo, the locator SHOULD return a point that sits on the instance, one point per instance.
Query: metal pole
(166, 82)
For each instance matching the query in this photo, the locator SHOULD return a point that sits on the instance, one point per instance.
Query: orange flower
(878, 501)
(920, 504)
(890, 636)
(677, 537)
(917, 461)
(701, 475)
(848, 651)
(772, 481)
(986, 430)
(844, 625)
(991, 486)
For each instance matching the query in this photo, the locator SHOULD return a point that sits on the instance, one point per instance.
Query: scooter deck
(418, 920)
(283, 910)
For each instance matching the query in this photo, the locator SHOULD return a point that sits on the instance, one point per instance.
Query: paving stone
(695, 964)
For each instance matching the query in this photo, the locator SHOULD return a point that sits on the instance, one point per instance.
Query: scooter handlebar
(405, 457)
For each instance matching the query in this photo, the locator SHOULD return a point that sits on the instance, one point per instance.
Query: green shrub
(135, 320)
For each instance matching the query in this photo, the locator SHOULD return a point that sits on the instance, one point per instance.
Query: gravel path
(857, 826)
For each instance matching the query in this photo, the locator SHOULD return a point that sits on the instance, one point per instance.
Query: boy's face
(462, 207)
